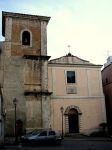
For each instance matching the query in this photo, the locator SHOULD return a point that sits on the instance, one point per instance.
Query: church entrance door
(73, 121)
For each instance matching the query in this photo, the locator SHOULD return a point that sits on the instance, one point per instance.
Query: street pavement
(69, 144)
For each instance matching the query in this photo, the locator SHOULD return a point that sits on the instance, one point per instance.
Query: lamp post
(15, 132)
(62, 109)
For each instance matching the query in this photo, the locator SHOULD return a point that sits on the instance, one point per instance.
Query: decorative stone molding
(35, 93)
(35, 57)
(72, 107)
(71, 90)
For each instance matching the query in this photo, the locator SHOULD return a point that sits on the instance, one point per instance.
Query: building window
(71, 77)
(26, 39)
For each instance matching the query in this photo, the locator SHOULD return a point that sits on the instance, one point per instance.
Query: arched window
(26, 39)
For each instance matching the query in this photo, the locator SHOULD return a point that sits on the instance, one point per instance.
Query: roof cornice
(26, 16)
(75, 65)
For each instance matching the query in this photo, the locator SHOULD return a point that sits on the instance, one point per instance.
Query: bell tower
(26, 69)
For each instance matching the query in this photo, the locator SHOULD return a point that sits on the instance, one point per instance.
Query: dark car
(42, 136)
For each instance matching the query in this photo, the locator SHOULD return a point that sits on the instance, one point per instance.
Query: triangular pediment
(69, 59)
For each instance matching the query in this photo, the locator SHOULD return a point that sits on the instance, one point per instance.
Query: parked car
(42, 136)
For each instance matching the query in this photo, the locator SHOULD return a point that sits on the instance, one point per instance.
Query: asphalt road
(67, 145)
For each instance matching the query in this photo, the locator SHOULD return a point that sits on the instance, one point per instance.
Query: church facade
(63, 94)
(77, 94)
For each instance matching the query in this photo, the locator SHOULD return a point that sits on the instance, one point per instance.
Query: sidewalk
(84, 137)
(10, 141)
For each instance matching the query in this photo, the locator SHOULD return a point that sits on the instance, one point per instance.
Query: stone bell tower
(25, 74)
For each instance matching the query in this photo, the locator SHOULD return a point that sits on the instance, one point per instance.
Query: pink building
(77, 100)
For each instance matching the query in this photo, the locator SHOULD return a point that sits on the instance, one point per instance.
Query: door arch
(73, 121)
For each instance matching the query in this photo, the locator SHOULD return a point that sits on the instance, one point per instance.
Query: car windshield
(34, 132)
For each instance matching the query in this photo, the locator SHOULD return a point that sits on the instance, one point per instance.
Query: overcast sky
(85, 25)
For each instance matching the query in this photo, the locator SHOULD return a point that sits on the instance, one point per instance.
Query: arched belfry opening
(26, 38)
(72, 121)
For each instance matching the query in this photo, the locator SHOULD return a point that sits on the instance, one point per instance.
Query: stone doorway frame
(66, 113)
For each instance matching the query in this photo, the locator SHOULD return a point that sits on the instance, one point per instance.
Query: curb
(89, 139)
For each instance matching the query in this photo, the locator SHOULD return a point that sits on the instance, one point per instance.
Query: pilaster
(44, 75)
(43, 38)
(46, 121)
(8, 33)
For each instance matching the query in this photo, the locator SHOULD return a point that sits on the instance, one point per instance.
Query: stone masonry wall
(25, 75)
(18, 26)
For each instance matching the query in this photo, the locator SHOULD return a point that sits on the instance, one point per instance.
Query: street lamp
(62, 109)
(15, 132)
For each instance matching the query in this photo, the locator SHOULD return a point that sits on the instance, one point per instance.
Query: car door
(51, 136)
(42, 136)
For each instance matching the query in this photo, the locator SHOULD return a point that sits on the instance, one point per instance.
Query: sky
(85, 25)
